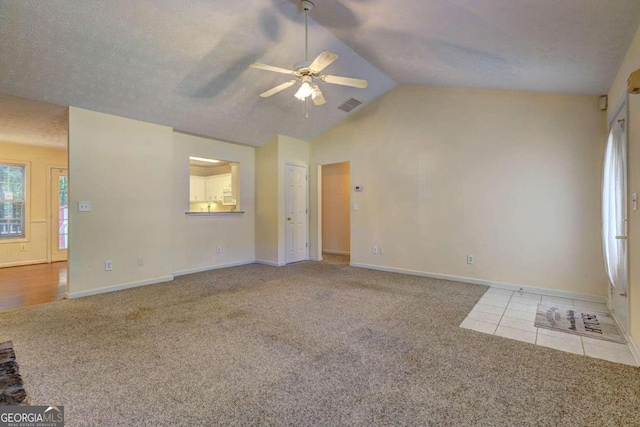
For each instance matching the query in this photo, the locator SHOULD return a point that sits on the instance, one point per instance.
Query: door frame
(284, 217)
(49, 211)
(319, 204)
(622, 109)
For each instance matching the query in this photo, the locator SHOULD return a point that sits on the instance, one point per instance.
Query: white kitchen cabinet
(218, 186)
(213, 188)
(210, 188)
(226, 183)
(197, 192)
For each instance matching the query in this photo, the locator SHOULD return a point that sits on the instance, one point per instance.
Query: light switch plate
(84, 206)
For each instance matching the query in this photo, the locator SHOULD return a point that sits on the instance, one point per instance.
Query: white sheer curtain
(614, 227)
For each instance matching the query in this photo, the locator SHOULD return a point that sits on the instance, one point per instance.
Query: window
(12, 200)
(213, 185)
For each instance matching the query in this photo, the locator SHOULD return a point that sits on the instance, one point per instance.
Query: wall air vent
(349, 105)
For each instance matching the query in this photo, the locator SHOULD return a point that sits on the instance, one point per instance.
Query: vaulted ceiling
(184, 63)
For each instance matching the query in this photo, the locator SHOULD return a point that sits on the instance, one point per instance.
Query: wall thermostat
(359, 187)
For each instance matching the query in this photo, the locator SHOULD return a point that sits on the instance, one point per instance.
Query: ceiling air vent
(349, 105)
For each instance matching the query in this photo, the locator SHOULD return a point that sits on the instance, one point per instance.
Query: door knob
(288, 218)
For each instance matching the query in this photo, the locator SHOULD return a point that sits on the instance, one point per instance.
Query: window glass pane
(63, 185)
(63, 212)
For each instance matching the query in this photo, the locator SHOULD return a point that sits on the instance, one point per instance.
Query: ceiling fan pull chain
(306, 35)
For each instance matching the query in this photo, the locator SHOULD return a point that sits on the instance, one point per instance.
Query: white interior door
(59, 214)
(296, 213)
(614, 218)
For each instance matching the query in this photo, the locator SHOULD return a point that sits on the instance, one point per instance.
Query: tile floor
(512, 315)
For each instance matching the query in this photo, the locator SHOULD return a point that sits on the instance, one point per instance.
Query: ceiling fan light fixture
(304, 91)
(202, 159)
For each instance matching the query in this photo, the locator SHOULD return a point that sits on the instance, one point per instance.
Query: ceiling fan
(307, 72)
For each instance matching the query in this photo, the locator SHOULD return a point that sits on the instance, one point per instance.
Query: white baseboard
(120, 287)
(315, 258)
(502, 285)
(331, 251)
(213, 267)
(21, 263)
(271, 263)
(635, 351)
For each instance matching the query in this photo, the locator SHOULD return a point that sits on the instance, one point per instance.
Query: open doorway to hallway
(34, 207)
(336, 212)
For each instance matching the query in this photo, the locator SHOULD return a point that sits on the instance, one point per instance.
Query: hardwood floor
(32, 284)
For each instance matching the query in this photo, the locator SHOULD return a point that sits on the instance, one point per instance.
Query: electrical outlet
(108, 265)
(471, 259)
(23, 247)
(84, 206)
(219, 249)
(380, 250)
(140, 262)
(375, 250)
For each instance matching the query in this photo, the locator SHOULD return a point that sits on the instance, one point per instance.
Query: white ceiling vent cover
(349, 105)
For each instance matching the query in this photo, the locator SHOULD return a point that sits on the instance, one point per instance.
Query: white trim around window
(25, 201)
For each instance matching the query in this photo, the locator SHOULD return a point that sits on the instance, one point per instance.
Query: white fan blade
(317, 96)
(271, 68)
(345, 81)
(277, 89)
(322, 61)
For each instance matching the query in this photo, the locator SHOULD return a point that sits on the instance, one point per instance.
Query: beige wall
(336, 193)
(511, 177)
(616, 96)
(194, 239)
(123, 167)
(271, 159)
(267, 209)
(39, 159)
(136, 176)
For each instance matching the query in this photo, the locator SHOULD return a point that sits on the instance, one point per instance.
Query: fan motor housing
(302, 68)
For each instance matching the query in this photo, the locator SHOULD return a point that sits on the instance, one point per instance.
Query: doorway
(39, 136)
(336, 212)
(296, 211)
(614, 218)
(59, 223)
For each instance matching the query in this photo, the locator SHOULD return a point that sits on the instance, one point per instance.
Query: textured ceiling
(24, 121)
(561, 46)
(180, 63)
(183, 63)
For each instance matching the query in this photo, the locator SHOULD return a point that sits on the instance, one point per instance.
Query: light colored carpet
(307, 344)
